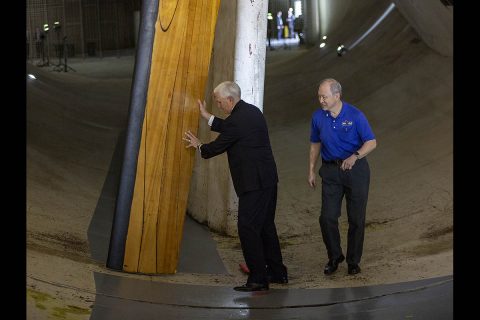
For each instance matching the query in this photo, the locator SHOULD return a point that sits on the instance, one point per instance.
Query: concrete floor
(75, 124)
(136, 299)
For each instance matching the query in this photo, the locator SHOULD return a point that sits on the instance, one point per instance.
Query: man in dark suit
(279, 25)
(244, 136)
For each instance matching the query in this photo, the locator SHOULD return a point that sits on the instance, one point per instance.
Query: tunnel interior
(400, 74)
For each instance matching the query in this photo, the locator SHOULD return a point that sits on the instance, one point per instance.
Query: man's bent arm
(366, 148)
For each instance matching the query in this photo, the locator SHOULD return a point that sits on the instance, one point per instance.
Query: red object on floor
(243, 267)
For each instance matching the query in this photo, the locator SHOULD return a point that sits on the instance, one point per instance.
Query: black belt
(337, 162)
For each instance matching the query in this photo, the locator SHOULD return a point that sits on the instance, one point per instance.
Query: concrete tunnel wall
(399, 56)
(405, 89)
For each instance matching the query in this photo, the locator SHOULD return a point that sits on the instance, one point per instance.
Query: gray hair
(335, 86)
(228, 89)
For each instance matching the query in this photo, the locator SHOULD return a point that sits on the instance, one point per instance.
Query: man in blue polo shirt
(341, 134)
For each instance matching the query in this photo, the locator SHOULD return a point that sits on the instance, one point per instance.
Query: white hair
(335, 86)
(228, 89)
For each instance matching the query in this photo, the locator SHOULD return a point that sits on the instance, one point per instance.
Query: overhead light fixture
(341, 49)
(324, 37)
(322, 44)
(45, 27)
(31, 76)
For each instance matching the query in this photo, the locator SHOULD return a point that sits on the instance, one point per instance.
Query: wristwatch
(357, 155)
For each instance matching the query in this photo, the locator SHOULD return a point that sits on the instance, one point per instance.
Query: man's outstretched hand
(203, 109)
(192, 140)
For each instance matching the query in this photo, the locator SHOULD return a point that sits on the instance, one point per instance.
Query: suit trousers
(354, 185)
(258, 234)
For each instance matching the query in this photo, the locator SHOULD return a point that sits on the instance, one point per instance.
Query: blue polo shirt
(340, 137)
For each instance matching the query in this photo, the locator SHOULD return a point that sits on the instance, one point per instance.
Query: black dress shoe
(353, 269)
(332, 265)
(279, 280)
(252, 286)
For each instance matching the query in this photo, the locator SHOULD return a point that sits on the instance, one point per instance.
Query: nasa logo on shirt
(346, 125)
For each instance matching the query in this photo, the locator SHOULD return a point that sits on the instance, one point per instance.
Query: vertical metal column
(47, 37)
(31, 41)
(64, 22)
(117, 44)
(82, 36)
(99, 29)
(138, 100)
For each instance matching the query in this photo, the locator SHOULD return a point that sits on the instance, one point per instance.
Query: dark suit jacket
(244, 136)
